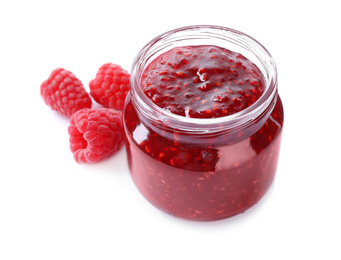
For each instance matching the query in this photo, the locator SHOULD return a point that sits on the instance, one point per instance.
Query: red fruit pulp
(202, 81)
(221, 176)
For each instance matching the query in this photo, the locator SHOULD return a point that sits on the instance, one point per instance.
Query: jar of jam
(203, 122)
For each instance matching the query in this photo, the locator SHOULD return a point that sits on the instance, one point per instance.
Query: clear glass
(235, 156)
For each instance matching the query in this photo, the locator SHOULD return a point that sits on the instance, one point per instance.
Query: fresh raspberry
(95, 134)
(63, 92)
(110, 86)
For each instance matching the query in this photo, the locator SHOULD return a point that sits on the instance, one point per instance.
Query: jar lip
(150, 110)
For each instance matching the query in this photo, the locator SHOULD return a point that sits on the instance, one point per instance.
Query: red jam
(216, 176)
(202, 81)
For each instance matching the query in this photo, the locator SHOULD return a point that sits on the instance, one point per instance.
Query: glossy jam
(202, 81)
(220, 175)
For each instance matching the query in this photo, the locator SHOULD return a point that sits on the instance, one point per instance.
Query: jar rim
(201, 125)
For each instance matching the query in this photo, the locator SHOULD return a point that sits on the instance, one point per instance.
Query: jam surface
(202, 81)
(213, 179)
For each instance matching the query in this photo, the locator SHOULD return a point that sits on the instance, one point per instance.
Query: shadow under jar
(203, 122)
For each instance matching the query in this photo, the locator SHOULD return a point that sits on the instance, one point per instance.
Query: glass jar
(203, 169)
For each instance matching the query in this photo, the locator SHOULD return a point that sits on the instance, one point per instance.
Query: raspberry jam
(202, 81)
(203, 122)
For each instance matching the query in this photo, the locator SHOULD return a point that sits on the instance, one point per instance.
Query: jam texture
(220, 176)
(202, 81)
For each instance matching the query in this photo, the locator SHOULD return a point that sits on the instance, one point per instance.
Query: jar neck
(187, 129)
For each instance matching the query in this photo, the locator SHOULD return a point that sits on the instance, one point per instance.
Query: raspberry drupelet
(64, 92)
(95, 134)
(110, 86)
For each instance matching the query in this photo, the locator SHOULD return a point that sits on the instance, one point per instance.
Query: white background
(53, 208)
